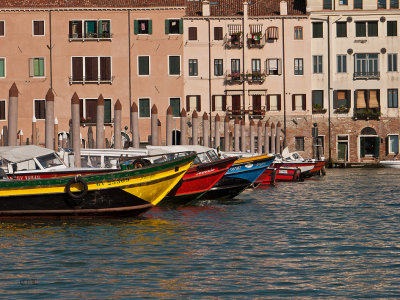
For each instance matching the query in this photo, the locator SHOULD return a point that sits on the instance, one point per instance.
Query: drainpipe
(209, 77)
(329, 90)
(284, 82)
(51, 54)
(130, 75)
(244, 23)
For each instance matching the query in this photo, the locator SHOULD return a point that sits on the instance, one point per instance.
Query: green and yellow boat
(127, 192)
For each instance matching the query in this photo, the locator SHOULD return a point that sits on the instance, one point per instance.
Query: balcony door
(257, 104)
(236, 104)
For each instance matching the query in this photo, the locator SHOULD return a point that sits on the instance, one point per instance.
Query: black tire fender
(138, 163)
(76, 180)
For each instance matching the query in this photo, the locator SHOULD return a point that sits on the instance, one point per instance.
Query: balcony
(234, 41)
(256, 112)
(235, 112)
(234, 78)
(91, 36)
(83, 80)
(366, 75)
(367, 113)
(255, 77)
(256, 40)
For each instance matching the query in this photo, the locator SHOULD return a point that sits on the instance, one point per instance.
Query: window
(393, 98)
(327, 4)
(393, 143)
(298, 102)
(193, 67)
(317, 64)
(174, 65)
(391, 28)
(192, 33)
(2, 110)
(143, 65)
(143, 27)
(298, 66)
(298, 33)
(92, 29)
(218, 36)
(272, 33)
(36, 67)
(218, 67)
(299, 143)
(273, 102)
(317, 99)
(88, 110)
(317, 30)
(341, 29)
(381, 3)
(394, 3)
(341, 63)
(144, 108)
(342, 2)
(218, 103)
(273, 66)
(2, 67)
(86, 70)
(175, 104)
(2, 28)
(358, 4)
(40, 109)
(392, 62)
(366, 63)
(361, 29)
(235, 66)
(256, 65)
(193, 103)
(174, 26)
(38, 28)
(341, 99)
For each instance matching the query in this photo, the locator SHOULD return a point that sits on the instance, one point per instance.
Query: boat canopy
(153, 150)
(16, 154)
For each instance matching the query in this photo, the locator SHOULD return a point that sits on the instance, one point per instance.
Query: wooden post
(159, 132)
(244, 138)
(135, 125)
(259, 137)
(206, 131)
(266, 138)
(251, 136)
(273, 150)
(34, 134)
(168, 126)
(13, 115)
(278, 138)
(56, 145)
(237, 134)
(217, 139)
(227, 144)
(183, 127)
(76, 140)
(117, 125)
(154, 124)
(100, 122)
(49, 121)
(21, 137)
(195, 128)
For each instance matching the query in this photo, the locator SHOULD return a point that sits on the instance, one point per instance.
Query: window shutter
(198, 102)
(304, 102)
(279, 66)
(31, 68)
(2, 68)
(1, 28)
(187, 103)
(387, 145)
(150, 27)
(166, 26)
(2, 110)
(213, 103)
(267, 66)
(79, 28)
(268, 103)
(348, 98)
(37, 110)
(107, 110)
(70, 29)
(77, 68)
(100, 28)
(181, 26)
(335, 100)
(81, 108)
(135, 27)
(224, 102)
(105, 68)
(192, 33)
(293, 102)
(279, 105)
(35, 27)
(41, 27)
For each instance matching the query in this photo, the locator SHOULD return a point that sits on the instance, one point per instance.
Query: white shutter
(279, 66)
(31, 67)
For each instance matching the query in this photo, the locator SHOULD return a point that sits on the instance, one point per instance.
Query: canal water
(331, 237)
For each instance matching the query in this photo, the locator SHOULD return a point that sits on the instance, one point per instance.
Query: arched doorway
(369, 143)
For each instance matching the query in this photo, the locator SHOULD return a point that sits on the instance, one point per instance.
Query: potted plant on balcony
(318, 109)
(342, 109)
(235, 38)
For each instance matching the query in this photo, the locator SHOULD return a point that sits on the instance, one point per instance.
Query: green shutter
(107, 111)
(166, 26)
(377, 146)
(36, 67)
(2, 67)
(181, 26)
(100, 30)
(144, 108)
(136, 27)
(150, 27)
(143, 65)
(41, 66)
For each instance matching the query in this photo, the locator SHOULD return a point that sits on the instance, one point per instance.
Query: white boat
(390, 163)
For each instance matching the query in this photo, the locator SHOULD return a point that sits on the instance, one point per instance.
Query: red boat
(288, 174)
(267, 178)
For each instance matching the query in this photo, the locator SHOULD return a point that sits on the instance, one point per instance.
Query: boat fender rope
(79, 180)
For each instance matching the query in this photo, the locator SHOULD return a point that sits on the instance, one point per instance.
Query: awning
(255, 28)
(373, 100)
(257, 92)
(361, 99)
(273, 33)
(234, 28)
(233, 92)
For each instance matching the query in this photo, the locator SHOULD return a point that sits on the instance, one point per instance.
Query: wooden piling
(244, 137)
(226, 134)
(49, 120)
(100, 122)
(273, 150)
(117, 125)
(278, 138)
(34, 134)
(237, 134)
(251, 136)
(154, 124)
(168, 126)
(206, 131)
(266, 138)
(195, 128)
(217, 137)
(76, 140)
(135, 125)
(259, 137)
(13, 115)
(56, 145)
(183, 127)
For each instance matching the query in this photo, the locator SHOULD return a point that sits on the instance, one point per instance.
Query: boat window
(212, 155)
(203, 157)
(50, 160)
(27, 165)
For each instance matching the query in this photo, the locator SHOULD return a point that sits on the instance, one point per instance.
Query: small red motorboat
(267, 178)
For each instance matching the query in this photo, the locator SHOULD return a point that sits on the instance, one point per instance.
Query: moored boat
(268, 177)
(390, 163)
(124, 192)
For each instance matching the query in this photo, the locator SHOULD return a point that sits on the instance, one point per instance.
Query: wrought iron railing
(84, 80)
(256, 112)
(105, 36)
(366, 75)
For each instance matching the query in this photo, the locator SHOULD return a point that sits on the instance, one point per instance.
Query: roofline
(92, 8)
(240, 18)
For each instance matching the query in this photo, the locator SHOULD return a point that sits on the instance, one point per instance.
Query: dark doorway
(236, 104)
(369, 146)
(176, 137)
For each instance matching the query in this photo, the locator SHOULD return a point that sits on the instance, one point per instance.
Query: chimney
(206, 8)
(245, 9)
(283, 8)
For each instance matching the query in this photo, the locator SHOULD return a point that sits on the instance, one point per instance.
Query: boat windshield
(201, 158)
(49, 161)
(212, 155)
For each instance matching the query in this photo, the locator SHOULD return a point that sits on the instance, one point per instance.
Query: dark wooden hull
(226, 188)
